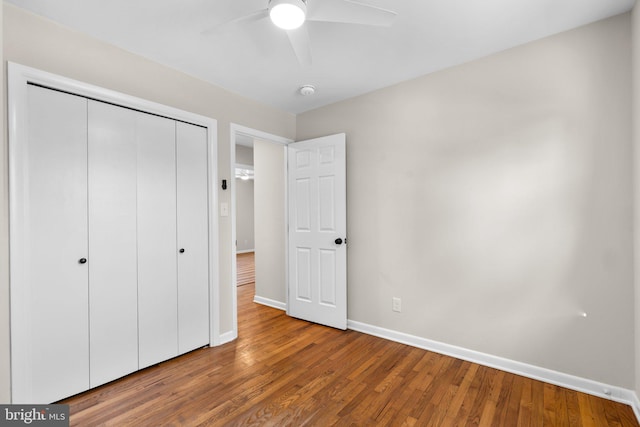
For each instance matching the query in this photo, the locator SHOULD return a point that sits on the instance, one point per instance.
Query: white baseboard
(270, 303)
(572, 382)
(246, 251)
(227, 337)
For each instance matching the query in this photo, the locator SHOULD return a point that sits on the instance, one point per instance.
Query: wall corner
(635, 123)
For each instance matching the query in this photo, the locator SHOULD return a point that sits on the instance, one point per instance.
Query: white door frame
(18, 78)
(239, 130)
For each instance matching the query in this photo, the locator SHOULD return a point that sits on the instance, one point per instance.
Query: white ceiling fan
(290, 15)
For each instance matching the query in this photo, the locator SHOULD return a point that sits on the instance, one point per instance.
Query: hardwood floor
(286, 372)
(245, 264)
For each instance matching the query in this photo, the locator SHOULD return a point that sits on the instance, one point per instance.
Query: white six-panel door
(317, 289)
(113, 276)
(50, 339)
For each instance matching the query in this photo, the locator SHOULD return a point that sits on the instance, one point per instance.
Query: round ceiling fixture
(287, 14)
(307, 90)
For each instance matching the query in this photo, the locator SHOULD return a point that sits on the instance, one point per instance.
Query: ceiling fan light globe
(287, 14)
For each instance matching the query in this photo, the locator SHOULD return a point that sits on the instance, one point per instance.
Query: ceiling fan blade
(351, 12)
(253, 16)
(299, 39)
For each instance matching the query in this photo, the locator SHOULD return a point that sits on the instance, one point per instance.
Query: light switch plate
(224, 209)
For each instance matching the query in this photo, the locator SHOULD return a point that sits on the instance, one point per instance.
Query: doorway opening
(244, 176)
(269, 216)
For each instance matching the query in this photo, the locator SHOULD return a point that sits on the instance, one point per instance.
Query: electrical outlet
(396, 304)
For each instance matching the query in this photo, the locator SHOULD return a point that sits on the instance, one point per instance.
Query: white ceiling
(255, 59)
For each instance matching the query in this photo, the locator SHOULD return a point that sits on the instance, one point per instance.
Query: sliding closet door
(113, 295)
(49, 267)
(157, 251)
(193, 232)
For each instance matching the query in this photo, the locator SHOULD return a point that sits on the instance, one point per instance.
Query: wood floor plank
(245, 268)
(562, 407)
(470, 397)
(605, 414)
(482, 395)
(438, 375)
(287, 372)
(550, 408)
(526, 404)
(442, 393)
(456, 402)
(503, 400)
(537, 412)
(511, 415)
(627, 417)
(489, 409)
(573, 409)
(586, 414)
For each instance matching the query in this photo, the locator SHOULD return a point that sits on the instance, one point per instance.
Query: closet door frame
(19, 77)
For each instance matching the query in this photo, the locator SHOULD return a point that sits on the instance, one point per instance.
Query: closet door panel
(113, 294)
(193, 231)
(49, 306)
(157, 252)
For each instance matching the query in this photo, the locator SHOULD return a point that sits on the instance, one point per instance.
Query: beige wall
(39, 43)
(635, 43)
(244, 155)
(244, 215)
(269, 208)
(494, 198)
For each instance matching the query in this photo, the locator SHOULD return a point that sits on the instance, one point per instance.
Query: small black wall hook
(224, 184)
